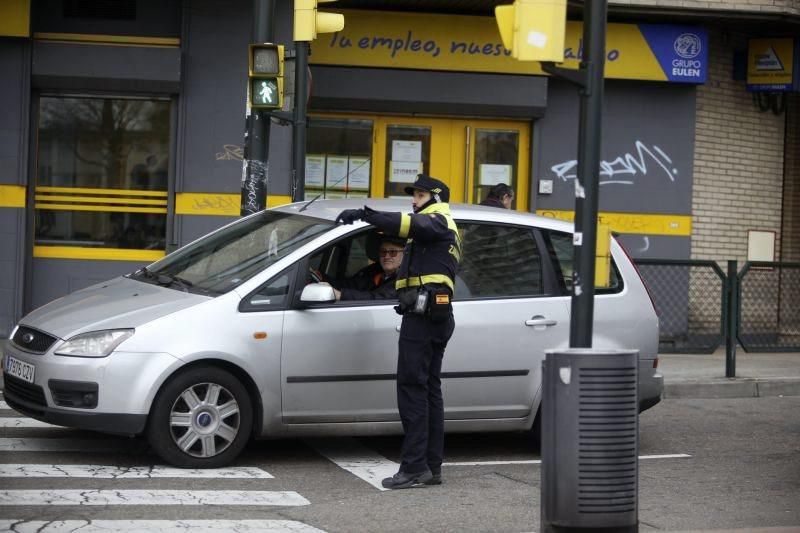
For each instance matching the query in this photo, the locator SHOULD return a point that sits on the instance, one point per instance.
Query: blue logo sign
(681, 51)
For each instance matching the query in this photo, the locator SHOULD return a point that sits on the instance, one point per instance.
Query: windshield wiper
(168, 281)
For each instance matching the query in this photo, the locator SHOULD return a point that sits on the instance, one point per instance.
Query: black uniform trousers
(419, 390)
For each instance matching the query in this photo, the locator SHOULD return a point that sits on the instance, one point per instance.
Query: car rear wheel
(202, 418)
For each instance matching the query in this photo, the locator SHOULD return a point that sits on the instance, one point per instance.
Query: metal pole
(587, 181)
(256, 139)
(300, 105)
(733, 308)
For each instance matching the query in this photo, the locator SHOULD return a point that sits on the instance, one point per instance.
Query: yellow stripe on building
(219, 204)
(119, 40)
(105, 254)
(103, 192)
(12, 196)
(639, 223)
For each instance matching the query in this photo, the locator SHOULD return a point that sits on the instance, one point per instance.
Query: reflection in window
(338, 158)
(102, 171)
(498, 261)
(496, 156)
(562, 252)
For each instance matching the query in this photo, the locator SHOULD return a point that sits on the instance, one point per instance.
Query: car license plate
(19, 369)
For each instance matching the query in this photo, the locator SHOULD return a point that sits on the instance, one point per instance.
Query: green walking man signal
(266, 76)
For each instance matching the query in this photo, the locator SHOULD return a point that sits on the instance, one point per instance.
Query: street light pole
(255, 161)
(587, 184)
(590, 79)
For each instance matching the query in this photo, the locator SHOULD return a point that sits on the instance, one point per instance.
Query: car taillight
(655, 362)
(636, 268)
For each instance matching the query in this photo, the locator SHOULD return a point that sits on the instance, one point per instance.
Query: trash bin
(590, 440)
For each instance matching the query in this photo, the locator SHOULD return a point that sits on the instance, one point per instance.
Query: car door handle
(539, 320)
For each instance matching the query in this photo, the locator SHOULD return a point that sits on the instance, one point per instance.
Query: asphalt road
(743, 471)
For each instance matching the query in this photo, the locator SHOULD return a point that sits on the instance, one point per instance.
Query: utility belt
(433, 300)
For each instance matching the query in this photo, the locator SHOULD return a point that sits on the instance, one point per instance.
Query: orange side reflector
(260, 335)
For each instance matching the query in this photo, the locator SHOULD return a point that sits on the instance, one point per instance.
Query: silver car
(229, 337)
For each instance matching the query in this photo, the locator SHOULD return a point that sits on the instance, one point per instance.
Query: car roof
(329, 209)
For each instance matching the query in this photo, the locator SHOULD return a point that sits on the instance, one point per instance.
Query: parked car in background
(229, 338)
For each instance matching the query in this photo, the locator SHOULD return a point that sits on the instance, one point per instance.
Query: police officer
(424, 288)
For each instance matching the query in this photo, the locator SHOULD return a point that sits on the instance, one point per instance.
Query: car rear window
(559, 245)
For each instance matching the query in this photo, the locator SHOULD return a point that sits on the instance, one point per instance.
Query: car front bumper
(126, 385)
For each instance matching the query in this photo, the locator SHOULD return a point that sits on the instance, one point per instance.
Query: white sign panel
(336, 172)
(406, 150)
(494, 174)
(315, 170)
(358, 178)
(404, 171)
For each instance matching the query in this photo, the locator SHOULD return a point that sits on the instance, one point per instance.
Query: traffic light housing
(265, 73)
(308, 22)
(533, 30)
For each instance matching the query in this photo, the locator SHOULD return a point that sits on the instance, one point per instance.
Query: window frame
(549, 284)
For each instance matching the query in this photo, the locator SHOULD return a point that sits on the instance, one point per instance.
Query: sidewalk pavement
(757, 375)
(703, 375)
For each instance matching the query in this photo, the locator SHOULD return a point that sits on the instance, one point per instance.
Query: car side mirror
(317, 293)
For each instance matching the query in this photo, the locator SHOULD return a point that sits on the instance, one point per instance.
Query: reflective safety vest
(433, 248)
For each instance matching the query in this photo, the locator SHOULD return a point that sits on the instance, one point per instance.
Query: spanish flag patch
(442, 299)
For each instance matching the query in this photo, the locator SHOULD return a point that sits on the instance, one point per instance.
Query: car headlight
(95, 343)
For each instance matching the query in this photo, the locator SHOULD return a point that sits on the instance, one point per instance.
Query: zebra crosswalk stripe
(151, 497)
(128, 472)
(158, 526)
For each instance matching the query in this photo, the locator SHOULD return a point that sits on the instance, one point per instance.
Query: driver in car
(375, 281)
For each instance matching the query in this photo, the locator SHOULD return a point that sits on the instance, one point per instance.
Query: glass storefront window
(408, 153)
(102, 171)
(338, 158)
(496, 157)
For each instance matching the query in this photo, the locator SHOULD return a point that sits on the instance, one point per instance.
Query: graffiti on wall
(644, 161)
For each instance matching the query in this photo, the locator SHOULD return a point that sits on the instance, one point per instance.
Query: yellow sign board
(15, 18)
(469, 44)
(637, 223)
(771, 64)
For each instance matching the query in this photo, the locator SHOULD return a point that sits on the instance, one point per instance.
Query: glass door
(471, 156)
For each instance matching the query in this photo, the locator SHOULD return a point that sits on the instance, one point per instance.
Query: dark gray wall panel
(152, 18)
(411, 91)
(11, 229)
(215, 81)
(196, 226)
(647, 147)
(213, 106)
(115, 68)
(54, 278)
(13, 103)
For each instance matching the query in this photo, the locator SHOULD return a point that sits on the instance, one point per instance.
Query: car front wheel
(202, 418)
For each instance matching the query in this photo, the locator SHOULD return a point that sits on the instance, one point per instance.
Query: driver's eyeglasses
(390, 253)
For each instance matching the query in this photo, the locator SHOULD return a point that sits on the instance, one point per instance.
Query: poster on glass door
(406, 161)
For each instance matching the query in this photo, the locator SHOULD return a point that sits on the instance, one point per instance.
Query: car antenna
(309, 203)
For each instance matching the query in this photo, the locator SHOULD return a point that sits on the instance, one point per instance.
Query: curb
(732, 388)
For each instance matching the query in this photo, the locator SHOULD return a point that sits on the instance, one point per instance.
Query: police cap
(432, 185)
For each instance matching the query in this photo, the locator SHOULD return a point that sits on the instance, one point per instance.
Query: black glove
(348, 216)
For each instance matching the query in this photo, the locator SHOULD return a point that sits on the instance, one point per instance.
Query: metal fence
(769, 307)
(692, 300)
(691, 303)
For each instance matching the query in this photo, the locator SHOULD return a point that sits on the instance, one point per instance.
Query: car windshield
(227, 258)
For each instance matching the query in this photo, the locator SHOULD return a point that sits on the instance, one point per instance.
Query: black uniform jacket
(433, 249)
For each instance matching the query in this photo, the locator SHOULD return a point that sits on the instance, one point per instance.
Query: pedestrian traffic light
(308, 22)
(266, 76)
(533, 30)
